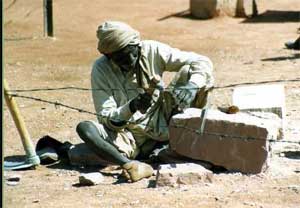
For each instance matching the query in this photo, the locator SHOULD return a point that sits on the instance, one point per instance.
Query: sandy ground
(242, 50)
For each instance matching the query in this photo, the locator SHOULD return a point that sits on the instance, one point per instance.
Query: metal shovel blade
(21, 165)
(8, 165)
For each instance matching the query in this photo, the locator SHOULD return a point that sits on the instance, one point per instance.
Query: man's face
(125, 58)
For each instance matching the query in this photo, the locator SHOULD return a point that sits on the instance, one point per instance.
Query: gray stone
(182, 174)
(81, 155)
(205, 9)
(90, 179)
(238, 142)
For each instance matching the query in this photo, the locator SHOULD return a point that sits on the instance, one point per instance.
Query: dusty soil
(242, 50)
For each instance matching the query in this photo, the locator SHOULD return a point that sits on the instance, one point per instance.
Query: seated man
(133, 108)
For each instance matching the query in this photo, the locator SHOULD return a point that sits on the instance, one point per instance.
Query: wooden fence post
(48, 18)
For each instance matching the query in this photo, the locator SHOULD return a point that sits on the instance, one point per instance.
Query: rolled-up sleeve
(196, 68)
(108, 112)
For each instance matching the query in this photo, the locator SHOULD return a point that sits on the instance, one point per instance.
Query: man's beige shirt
(114, 89)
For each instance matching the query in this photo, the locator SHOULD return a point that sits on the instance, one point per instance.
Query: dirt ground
(242, 50)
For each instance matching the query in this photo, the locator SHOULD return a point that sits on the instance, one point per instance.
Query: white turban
(114, 36)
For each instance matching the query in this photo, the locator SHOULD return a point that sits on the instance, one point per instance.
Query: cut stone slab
(205, 9)
(262, 98)
(182, 174)
(82, 155)
(90, 179)
(237, 142)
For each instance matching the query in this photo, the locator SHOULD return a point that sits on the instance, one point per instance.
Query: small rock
(182, 174)
(13, 180)
(135, 202)
(249, 204)
(99, 194)
(12, 183)
(90, 179)
(13, 177)
(294, 188)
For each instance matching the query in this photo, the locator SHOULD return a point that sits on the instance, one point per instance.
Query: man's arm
(109, 113)
(190, 66)
(193, 72)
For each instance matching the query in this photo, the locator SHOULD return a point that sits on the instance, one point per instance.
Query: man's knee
(85, 129)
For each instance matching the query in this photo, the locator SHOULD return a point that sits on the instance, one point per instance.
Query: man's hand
(142, 102)
(185, 94)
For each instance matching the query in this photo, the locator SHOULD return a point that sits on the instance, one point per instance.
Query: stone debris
(256, 99)
(90, 179)
(12, 180)
(205, 9)
(81, 155)
(182, 174)
(237, 142)
(294, 188)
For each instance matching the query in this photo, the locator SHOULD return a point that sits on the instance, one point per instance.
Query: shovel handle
(19, 122)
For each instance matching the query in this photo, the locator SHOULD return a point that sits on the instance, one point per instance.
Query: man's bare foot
(136, 170)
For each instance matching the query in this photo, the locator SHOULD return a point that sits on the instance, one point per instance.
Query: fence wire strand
(80, 110)
(116, 89)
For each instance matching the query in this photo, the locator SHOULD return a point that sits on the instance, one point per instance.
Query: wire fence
(80, 110)
(115, 89)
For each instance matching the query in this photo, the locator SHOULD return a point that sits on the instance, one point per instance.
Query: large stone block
(262, 98)
(238, 142)
(182, 174)
(205, 9)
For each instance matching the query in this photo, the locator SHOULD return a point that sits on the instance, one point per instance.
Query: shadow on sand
(183, 14)
(283, 58)
(274, 16)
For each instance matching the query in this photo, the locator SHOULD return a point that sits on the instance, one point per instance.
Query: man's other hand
(142, 102)
(185, 94)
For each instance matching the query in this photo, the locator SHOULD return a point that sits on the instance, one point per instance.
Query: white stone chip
(90, 179)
